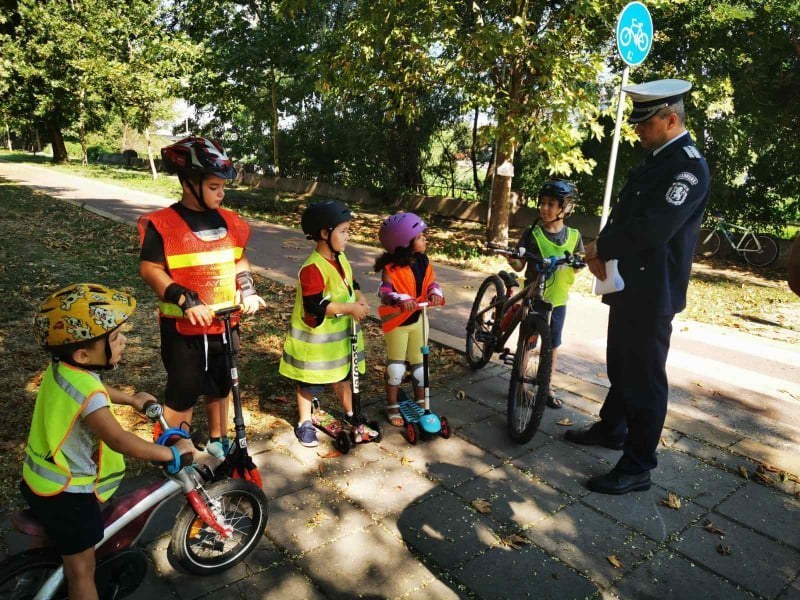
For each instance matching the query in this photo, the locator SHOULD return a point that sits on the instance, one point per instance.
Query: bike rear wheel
(22, 575)
(763, 257)
(482, 329)
(708, 244)
(201, 550)
(530, 379)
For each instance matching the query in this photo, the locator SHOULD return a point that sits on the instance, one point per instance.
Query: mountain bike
(220, 524)
(758, 250)
(496, 313)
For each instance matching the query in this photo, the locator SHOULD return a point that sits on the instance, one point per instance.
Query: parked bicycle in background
(759, 250)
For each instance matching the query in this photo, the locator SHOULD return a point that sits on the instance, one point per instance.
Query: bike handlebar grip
(228, 310)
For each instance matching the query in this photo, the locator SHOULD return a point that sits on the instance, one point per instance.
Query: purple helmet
(399, 230)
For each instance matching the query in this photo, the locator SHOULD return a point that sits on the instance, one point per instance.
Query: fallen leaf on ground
(321, 469)
(565, 422)
(663, 442)
(765, 479)
(698, 384)
(275, 398)
(744, 473)
(615, 562)
(767, 467)
(316, 520)
(404, 460)
(482, 506)
(514, 541)
(460, 394)
(331, 454)
(710, 528)
(672, 501)
(724, 550)
(601, 375)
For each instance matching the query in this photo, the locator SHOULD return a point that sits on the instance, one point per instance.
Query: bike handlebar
(228, 310)
(542, 264)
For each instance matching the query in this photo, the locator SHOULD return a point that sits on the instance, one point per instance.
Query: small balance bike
(220, 524)
(345, 432)
(421, 423)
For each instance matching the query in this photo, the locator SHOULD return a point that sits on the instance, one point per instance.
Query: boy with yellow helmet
(74, 455)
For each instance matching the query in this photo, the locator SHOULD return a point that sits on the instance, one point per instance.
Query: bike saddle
(509, 279)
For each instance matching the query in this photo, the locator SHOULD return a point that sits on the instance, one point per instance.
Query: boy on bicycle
(74, 455)
(552, 239)
(192, 256)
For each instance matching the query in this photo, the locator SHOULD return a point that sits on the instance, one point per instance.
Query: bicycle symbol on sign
(635, 34)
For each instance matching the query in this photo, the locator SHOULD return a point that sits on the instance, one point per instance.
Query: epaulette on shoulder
(692, 152)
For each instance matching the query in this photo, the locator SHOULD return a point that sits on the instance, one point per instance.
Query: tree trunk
(150, 154)
(38, 147)
(276, 162)
(8, 138)
(473, 154)
(57, 140)
(82, 129)
(499, 210)
(124, 137)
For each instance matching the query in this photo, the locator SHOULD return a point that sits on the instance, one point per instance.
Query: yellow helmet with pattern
(80, 313)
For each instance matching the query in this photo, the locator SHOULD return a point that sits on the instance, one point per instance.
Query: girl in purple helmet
(407, 279)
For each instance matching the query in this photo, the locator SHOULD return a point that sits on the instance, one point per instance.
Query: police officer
(652, 231)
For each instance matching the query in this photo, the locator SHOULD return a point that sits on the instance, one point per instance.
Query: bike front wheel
(22, 575)
(201, 550)
(482, 327)
(530, 379)
(763, 256)
(708, 244)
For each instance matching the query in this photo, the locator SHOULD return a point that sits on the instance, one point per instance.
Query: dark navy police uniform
(652, 231)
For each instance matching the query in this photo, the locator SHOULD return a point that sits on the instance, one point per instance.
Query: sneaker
(219, 449)
(306, 434)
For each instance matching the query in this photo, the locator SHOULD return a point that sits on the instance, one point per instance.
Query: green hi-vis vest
(322, 354)
(62, 395)
(557, 287)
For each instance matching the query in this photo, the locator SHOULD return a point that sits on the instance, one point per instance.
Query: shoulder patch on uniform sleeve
(686, 176)
(677, 192)
(692, 152)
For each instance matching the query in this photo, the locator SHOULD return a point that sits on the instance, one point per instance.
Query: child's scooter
(347, 432)
(421, 422)
(238, 463)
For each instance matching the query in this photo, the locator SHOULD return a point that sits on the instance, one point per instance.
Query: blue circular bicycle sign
(634, 33)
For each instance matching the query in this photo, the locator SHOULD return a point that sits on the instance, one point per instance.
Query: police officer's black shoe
(616, 482)
(592, 436)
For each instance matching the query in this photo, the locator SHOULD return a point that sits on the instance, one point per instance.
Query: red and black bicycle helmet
(193, 156)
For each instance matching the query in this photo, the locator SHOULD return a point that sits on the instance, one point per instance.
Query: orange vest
(403, 282)
(205, 267)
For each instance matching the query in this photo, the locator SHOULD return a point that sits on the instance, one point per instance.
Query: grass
(72, 245)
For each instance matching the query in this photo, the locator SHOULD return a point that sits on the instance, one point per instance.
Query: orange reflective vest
(403, 282)
(205, 267)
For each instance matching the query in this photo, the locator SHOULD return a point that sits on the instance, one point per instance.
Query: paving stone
(492, 435)
(549, 424)
(644, 512)
(436, 590)
(387, 488)
(755, 562)
(778, 515)
(713, 455)
(370, 563)
(513, 496)
(793, 591)
(491, 392)
(189, 586)
(444, 528)
(450, 461)
(462, 411)
(153, 586)
(585, 539)
(359, 457)
(280, 582)
(283, 474)
(669, 576)
(692, 479)
(502, 573)
(563, 466)
(306, 519)
(701, 429)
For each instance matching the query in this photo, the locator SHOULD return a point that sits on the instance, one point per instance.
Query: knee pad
(418, 375)
(394, 373)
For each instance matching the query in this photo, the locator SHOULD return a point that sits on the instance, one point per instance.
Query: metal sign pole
(612, 163)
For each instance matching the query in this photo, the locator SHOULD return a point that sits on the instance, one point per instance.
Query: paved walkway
(399, 521)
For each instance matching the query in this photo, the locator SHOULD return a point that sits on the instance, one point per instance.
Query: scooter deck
(410, 410)
(333, 425)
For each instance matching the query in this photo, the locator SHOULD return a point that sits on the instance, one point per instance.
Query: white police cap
(648, 98)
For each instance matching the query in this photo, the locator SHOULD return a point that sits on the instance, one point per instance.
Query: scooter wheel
(342, 442)
(445, 430)
(412, 433)
(376, 426)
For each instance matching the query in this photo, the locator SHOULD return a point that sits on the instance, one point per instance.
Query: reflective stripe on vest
(557, 287)
(403, 282)
(62, 395)
(322, 354)
(207, 267)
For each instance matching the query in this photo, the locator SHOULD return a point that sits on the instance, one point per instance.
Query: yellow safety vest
(557, 287)
(62, 395)
(322, 354)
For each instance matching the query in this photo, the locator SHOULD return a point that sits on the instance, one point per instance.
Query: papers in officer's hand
(613, 281)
